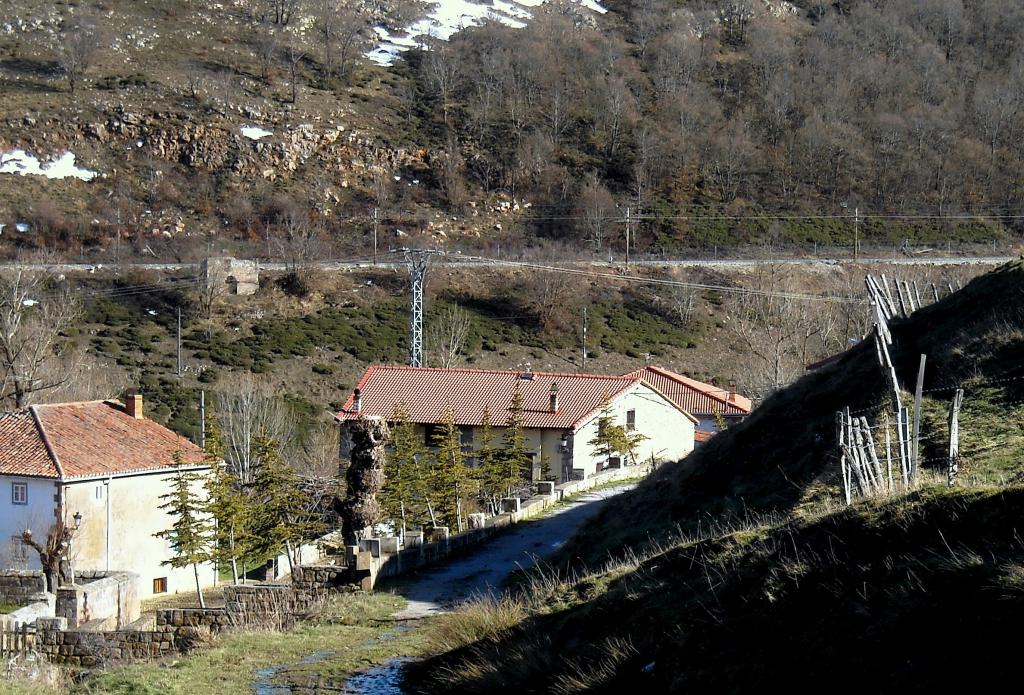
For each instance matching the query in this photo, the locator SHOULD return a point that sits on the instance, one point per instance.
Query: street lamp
(78, 524)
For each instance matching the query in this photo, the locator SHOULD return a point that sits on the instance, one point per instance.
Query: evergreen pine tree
(190, 535)
(517, 464)
(401, 498)
(611, 436)
(491, 465)
(280, 518)
(451, 481)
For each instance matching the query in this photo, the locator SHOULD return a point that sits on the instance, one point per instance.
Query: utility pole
(179, 341)
(418, 260)
(627, 239)
(202, 419)
(584, 339)
(375, 213)
(856, 234)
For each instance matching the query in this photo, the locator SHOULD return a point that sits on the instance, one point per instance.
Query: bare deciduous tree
(446, 336)
(33, 314)
(80, 42)
(595, 208)
(248, 408)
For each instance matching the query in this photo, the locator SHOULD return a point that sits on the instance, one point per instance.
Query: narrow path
(485, 569)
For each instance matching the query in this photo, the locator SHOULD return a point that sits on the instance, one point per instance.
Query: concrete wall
(670, 433)
(37, 515)
(119, 517)
(107, 601)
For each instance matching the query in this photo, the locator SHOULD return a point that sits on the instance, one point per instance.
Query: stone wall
(20, 587)
(377, 558)
(97, 647)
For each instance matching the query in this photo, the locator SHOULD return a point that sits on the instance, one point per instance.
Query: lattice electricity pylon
(418, 260)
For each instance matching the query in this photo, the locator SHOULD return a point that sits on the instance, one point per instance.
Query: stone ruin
(237, 276)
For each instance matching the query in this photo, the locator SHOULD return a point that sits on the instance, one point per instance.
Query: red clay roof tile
(427, 393)
(697, 397)
(86, 439)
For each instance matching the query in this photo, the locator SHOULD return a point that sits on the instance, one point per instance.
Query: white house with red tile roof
(706, 402)
(105, 461)
(560, 411)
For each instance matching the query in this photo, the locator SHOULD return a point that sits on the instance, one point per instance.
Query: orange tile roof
(700, 436)
(22, 451)
(694, 396)
(86, 439)
(427, 393)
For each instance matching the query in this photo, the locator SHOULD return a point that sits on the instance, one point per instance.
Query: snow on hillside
(63, 167)
(447, 17)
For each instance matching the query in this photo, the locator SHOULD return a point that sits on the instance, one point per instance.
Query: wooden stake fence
(16, 639)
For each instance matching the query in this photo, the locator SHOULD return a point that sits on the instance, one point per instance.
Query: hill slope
(782, 456)
(753, 582)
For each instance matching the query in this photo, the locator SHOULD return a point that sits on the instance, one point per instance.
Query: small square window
(160, 585)
(630, 420)
(19, 493)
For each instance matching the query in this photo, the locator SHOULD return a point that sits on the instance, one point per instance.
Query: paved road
(485, 569)
(454, 262)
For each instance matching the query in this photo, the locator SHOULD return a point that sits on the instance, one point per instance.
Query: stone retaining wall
(20, 587)
(378, 558)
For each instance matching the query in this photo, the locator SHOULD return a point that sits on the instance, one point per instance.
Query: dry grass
(483, 618)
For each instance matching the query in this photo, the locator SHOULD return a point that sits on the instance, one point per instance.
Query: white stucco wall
(670, 432)
(134, 516)
(37, 515)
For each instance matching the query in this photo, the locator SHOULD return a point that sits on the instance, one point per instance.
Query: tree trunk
(234, 560)
(364, 478)
(199, 591)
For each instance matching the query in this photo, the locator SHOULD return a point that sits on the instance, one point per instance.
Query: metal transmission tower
(418, 260)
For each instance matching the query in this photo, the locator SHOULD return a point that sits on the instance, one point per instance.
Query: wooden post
(888, 449)
(935, 292)
(903, 302)
(917, 409)
(910, 297)
(844, 465)
(903, 429)
(917, 292)
(869, 442)
(953, 466)
(888, 294)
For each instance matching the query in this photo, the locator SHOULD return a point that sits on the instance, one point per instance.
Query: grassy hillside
(737, 569)
(781, 458)
(912, 594)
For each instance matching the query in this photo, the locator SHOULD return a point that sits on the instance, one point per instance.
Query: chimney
(357, 402)
(554, 397)
(133, 405)
(732, 390)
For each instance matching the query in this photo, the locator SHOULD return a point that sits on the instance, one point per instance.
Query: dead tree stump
(364, 478)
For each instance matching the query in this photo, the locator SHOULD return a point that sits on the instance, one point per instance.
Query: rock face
(365, 476)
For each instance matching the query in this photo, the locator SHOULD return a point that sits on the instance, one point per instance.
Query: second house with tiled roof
(560, 412)
(100, 466)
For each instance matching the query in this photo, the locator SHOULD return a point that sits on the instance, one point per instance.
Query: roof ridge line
(475, 370)
(46, 442)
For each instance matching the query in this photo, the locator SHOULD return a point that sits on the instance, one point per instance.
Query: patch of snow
(151, 312)
(254, 132)
(448, 17)
(21, 227)
(29, 302)
(23, 164)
